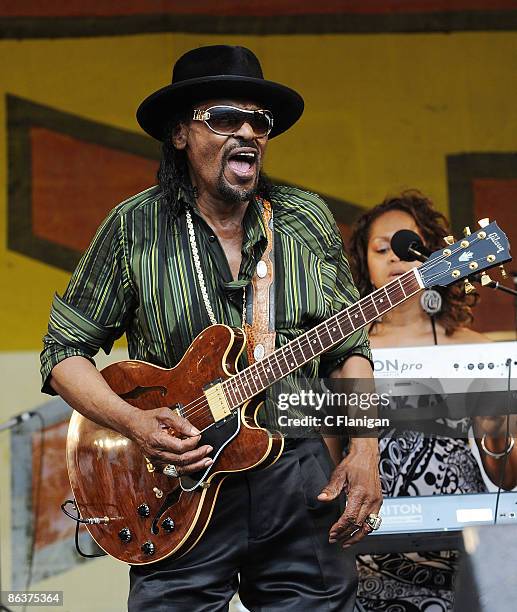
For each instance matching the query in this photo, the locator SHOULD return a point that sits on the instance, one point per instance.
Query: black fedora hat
(219, 71)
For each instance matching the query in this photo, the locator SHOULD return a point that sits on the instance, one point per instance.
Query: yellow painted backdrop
(382, 112)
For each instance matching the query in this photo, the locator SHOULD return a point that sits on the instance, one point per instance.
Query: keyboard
(465, 361)
(435, 522)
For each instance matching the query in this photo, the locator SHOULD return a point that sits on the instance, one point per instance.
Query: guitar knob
(125, 535)
(168, 525)
(147, 548)
(449, 240)
(484, 222)
(466, 231)
(143, 510)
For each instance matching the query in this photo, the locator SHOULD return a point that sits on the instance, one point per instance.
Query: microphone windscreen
(402, 240)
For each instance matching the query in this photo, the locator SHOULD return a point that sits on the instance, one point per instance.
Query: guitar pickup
(217, 401)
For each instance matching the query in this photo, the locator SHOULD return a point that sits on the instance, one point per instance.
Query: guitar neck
(256, 378)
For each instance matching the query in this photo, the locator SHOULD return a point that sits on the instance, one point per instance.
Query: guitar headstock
(476, 252)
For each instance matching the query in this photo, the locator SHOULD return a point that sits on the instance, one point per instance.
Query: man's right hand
(165, 437)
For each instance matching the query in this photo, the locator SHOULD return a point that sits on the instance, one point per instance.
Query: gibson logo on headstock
(494, 237)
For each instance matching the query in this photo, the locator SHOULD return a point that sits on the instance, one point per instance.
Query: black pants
(269, 529)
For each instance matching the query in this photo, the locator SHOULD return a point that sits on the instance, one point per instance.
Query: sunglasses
(228, 120)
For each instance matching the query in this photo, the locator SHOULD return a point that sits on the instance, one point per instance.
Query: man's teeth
(247, 156)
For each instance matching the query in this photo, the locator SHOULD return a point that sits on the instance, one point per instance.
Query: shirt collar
(253, 221)
(253, 225)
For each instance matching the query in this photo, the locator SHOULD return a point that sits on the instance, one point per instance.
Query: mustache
(239, 143)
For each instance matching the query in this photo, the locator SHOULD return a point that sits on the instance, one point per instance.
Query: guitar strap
(260, 334)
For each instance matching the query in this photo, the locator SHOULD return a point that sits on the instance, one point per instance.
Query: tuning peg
(469, 287)
(466, 231)
(484, 222)
(504, 274)
(485, 279)
(449, 240)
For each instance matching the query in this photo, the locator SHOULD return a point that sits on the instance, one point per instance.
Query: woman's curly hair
(433, 226)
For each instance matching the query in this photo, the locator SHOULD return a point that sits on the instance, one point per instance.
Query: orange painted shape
(496, 199)
(75, 184)
(50, 524)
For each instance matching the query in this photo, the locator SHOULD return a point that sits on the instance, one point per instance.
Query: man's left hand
(358, 476)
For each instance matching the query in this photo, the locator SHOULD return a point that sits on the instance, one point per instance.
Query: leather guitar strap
(260, 334)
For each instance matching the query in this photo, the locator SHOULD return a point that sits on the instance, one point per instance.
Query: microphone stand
(2, 607)
(9, 424)
(495, 285)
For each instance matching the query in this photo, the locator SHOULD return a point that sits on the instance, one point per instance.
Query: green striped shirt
(138, 277)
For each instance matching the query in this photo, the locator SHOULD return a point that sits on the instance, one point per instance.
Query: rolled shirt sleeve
(92, 312)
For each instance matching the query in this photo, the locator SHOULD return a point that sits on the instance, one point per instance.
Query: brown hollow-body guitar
(144, 516)
(150, 515)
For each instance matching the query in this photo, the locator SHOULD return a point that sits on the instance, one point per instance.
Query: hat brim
(155, 111)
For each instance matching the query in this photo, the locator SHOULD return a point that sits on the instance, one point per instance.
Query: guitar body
(153, 516)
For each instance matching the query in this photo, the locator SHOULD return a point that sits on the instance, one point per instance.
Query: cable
(433, 324)
(78, 521)
(505, 458)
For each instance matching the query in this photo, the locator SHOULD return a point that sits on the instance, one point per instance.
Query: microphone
(16, 420)
(408, 246)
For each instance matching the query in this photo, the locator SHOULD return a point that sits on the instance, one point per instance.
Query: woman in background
(410, 463)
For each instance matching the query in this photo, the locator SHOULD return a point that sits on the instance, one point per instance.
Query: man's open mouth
(242, 162)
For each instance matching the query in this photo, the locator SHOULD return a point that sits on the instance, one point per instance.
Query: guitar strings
(246, 375)
(199, 404)
(303, 342)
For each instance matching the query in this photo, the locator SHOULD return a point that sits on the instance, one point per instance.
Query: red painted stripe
(87, 166)
(494, 198)
(233, 8)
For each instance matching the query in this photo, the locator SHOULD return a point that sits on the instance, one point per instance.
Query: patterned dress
(411, 464)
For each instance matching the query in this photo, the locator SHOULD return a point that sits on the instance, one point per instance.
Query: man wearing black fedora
(170, 261)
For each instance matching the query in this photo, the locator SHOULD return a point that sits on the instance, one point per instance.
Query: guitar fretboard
(264, 373)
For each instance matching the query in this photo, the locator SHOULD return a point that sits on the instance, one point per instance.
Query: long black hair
(173, 170)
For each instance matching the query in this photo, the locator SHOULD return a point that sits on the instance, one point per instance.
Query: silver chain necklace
(201, 276)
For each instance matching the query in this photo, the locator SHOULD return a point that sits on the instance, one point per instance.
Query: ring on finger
(374, 521)
(170, 471)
